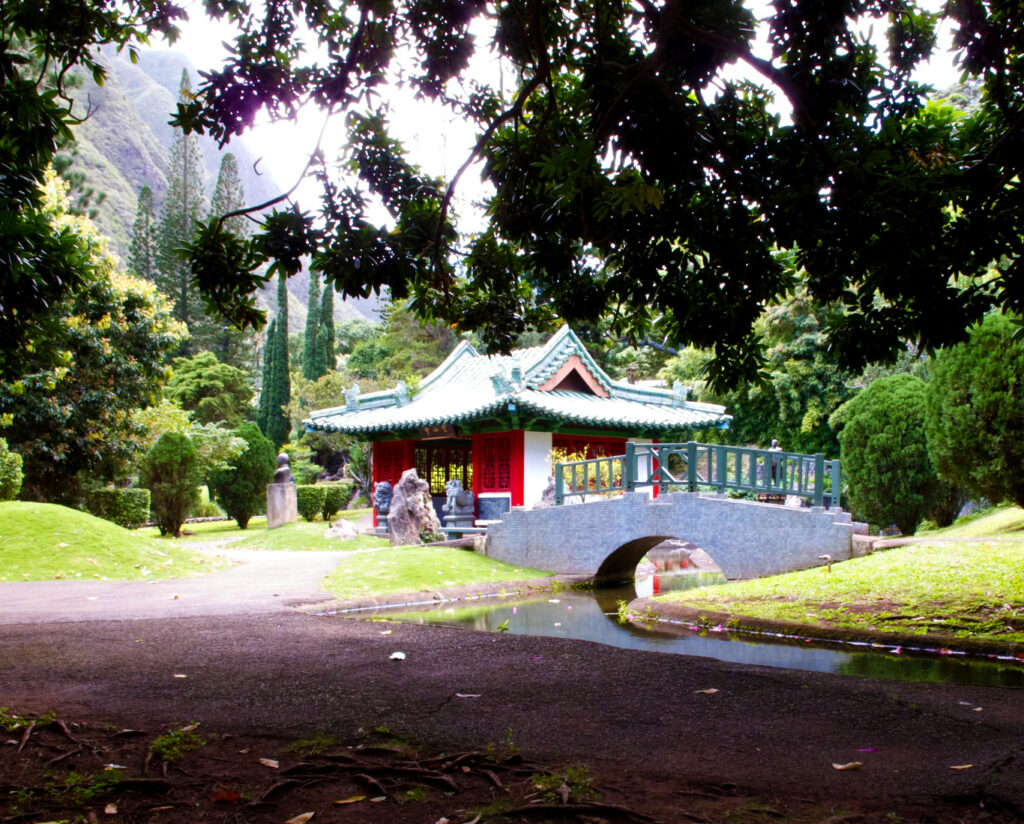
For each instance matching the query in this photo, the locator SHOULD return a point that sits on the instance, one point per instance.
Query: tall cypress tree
(269, 347)
(183, 208)
(142, 253)
(311, 356)
(278, 423)
(325, 340)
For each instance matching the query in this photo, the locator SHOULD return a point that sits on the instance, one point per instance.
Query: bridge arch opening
(665, 554)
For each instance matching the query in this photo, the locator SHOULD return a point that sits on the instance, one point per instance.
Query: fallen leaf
(180, 675)
(397, 656)
(978, 709)
(270, 762)
(110, 809)
(468, 694)
(852, 765)
(708, 691)
(190, 727)
(300, 819)
(114, 767)
(225, 797)
(352, 799)
(962, 767)
(174, 597)
(385, 632)
(378, 799)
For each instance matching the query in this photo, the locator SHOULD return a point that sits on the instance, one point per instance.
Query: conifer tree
(229, 196)
(183, 208)
(230, 345)
(311, 349)
(325, 341)
(269, 346)
(142, 253)
(278, 423)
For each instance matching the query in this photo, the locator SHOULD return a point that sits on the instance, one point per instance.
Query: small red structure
(491, 422)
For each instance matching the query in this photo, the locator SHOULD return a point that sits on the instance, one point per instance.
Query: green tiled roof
(470, 386)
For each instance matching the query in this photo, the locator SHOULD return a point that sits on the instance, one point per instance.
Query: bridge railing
(693, 466)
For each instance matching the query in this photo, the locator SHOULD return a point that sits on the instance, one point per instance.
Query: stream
(593, 616)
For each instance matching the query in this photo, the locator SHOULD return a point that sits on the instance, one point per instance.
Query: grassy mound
(41, 542)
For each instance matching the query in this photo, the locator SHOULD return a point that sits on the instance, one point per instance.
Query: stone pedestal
(282, 505)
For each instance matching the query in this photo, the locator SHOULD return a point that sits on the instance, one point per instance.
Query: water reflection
(593, 616)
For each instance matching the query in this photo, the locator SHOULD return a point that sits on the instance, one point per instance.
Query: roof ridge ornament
(401, 392)
(352, 396)
(680, 393)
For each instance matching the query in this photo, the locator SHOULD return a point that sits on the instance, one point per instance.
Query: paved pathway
(262, 581)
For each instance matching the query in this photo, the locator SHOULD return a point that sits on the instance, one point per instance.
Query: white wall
(536, 466)
(641, 466)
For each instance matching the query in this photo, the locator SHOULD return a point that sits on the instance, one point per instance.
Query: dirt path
(672, 737)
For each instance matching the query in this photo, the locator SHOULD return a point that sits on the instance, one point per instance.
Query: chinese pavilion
(492, 422)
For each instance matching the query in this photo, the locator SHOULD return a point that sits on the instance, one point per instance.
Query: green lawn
(968, 590)
(416, 568)
(1002, 521)
(300, 536)
(40, 542)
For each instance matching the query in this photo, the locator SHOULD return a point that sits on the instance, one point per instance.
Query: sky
(437, 141)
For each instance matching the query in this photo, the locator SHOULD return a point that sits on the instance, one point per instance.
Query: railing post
(691, 465)
(819, 479)
(629, 470)
(837, 485)
(559, 485)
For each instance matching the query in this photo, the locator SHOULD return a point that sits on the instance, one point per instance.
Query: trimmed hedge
(126, 507)
(325, 500)
(310, 500)
(335, 498)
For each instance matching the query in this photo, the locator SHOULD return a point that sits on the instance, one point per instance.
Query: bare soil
(472, 726)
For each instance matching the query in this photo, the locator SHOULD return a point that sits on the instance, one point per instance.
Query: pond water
(593, 616)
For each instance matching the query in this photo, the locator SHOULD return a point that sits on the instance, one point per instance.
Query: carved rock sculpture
(411, 510)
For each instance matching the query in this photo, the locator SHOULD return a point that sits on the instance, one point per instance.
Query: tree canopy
(636, 172)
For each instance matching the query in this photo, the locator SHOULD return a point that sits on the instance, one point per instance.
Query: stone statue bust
(283, 474)
(382, 493)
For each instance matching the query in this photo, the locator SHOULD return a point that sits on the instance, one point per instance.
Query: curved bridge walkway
(609, 537)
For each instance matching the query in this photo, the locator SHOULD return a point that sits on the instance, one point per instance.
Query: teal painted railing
(693, 466)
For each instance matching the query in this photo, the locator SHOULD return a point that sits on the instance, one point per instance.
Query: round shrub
(335, 497)
(974, 412)
(172, 472)
(242, 488)
(310, 500)
(885, 453)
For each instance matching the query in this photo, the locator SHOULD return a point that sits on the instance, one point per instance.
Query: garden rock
(343, 530)
(411, 510)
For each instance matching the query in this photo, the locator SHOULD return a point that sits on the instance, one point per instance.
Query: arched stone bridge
(609, 537)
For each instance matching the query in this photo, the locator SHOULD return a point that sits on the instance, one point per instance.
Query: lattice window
(439, 463)
(591, 447)
(495, 464)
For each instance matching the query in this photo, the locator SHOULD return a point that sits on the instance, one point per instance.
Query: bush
(974, 412)
(10, 472)
(335, 497)
(127, 507)
(310, 500)
(172, 472)
(242, 488)
(885, 453)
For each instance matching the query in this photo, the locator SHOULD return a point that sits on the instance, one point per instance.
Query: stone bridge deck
(607, 538)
